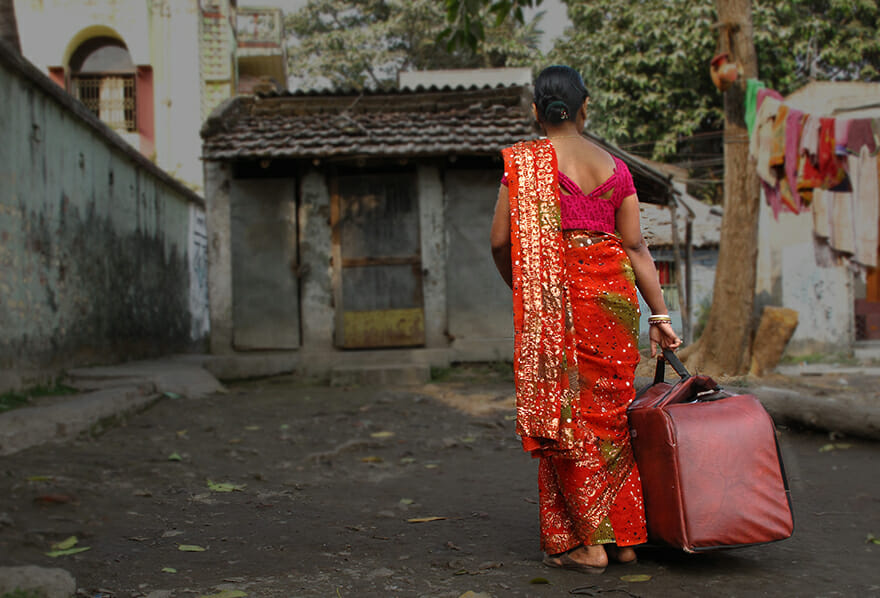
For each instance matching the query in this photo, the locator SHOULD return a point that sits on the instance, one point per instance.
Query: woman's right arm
(500, 236)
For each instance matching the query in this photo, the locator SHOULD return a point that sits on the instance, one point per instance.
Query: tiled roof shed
(420, 123)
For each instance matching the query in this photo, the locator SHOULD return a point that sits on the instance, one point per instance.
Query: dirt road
(282, 489)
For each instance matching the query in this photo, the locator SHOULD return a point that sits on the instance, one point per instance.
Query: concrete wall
(96, 257)
(788, 276)
(479, 303)
(163, 34)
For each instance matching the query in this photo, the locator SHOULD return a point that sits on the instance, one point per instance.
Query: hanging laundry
(788, 186)
(866, 206)
(808, 177)
(841, 209)
(752, 87)
(761, 143)
(841, 131)
(830, 168)
(860, 134)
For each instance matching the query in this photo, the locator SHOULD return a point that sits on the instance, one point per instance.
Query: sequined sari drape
(576, 349)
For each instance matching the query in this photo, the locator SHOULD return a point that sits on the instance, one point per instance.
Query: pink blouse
(594, 210)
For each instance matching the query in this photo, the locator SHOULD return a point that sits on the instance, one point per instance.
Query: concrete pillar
(315, 250)
(217, 212)
(433, 240)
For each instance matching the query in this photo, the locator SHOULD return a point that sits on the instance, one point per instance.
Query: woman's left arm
(647, 281)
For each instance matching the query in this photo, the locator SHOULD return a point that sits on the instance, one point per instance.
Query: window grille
(109, 97)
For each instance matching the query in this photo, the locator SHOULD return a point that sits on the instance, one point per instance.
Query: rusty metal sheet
(384, 328)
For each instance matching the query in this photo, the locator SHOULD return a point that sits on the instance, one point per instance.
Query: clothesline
(825, 164)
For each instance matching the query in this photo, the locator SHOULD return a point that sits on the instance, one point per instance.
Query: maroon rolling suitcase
(711, 470)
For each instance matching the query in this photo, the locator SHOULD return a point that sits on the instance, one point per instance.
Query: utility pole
(725, 345)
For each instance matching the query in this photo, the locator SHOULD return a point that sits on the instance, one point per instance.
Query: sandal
(563, 561)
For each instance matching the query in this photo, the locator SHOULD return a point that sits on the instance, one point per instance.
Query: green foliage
(646, 62)
(466, 18)
(21, 594)
(365, 43)
(13, 399)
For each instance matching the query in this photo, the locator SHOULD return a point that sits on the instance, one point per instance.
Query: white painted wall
(161, 33)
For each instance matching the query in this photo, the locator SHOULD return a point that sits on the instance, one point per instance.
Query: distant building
(154, 69)
(344, 225)
(838, 304)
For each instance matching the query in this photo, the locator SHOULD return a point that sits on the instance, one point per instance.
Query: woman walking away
(566, 239)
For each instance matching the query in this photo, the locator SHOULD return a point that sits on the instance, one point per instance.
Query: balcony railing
(259, 27)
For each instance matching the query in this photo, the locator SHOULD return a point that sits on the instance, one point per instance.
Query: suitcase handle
(686, 389)
(674, 361)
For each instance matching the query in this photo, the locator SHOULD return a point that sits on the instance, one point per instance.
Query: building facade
(154, 69)
(353, 227)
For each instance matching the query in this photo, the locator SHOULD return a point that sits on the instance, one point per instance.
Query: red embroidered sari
(576, 348)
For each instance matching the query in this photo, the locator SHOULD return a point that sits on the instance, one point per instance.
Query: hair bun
(556, 111)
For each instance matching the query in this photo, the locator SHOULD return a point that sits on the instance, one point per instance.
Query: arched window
(103, 78)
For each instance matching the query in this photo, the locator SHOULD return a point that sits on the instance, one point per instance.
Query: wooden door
(377, 261)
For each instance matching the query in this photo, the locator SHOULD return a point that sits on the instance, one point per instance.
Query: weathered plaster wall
(93, 239)
(433, 247)
(479, 304)
(789, 276)
(315, 250)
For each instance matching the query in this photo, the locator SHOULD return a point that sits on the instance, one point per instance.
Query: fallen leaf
(468, 439)
(39, 478)
(226, 594)
(837, 446)
(539, 580)
(431, 466)
(224, 487)
(510, 418)
(53, 499)
(635, 578)
(284, 427)
(407, 460)
(872, 539)
(252, 428)
(472, 594)
(406, 501)
(171, 395)
(169, 570)
(175, 457)
(190, 548)
(425, 519)
(57, 553)
(371, 459)
(66, 543)
(181, 433)
(383, 434)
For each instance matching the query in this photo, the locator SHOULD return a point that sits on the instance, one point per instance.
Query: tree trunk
(724, 347)
(8, 25)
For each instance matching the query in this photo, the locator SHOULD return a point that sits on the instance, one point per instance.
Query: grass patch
(21, 594)
(490, 371)
(20, 398)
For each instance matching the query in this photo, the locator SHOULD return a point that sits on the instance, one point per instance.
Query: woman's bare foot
(592, 556)
(619, 554)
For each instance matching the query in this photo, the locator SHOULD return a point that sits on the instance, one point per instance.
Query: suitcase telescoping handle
(674, 361)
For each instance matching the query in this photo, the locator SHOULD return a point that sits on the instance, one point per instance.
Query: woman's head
(559, 94)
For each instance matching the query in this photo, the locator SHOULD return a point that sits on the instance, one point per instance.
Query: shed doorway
(377, 274)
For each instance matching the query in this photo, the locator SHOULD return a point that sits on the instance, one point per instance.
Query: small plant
(19, 398)
(18, 593)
